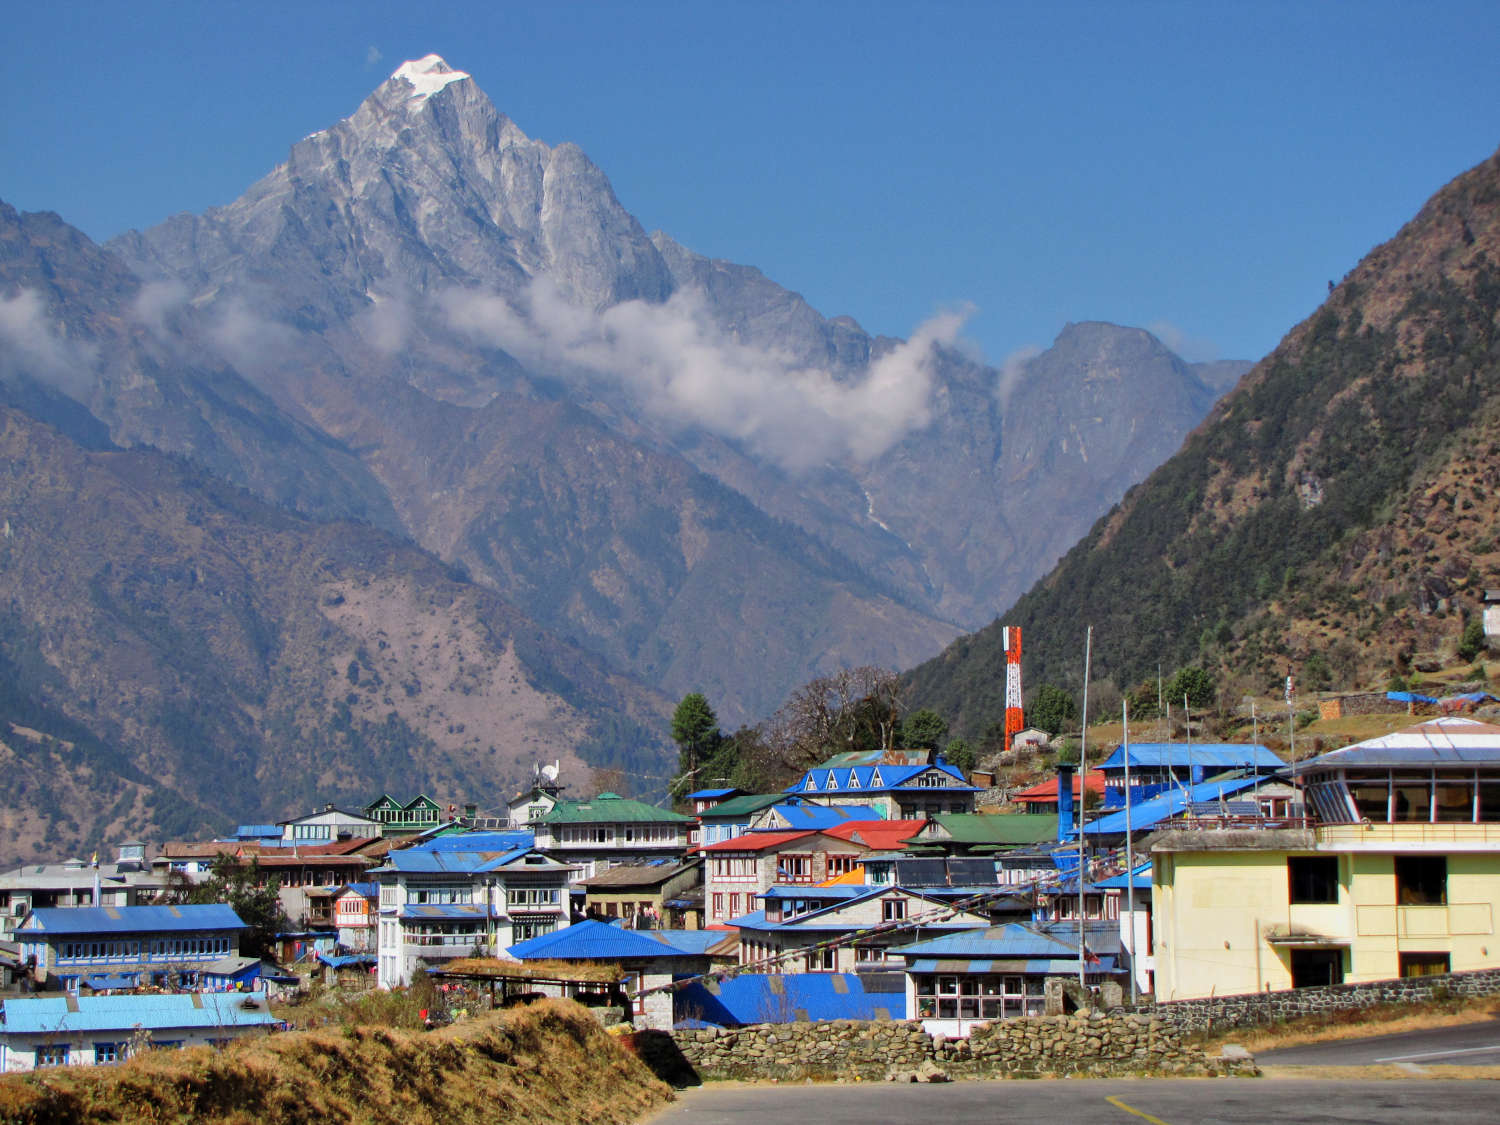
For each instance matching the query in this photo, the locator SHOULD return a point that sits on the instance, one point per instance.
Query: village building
(608, 830)
(1156, 767)
(956, 981)
(327, 825)
(1041, 799)
(464, 895)
(843, 928)
(740, 870)
(40, 1033)
(127, 881)
(1398, 876)
(732, 816)
(356, 910)
(897, 792)
(662, 894)
(982, 834)
(111, 947)
(391, 817)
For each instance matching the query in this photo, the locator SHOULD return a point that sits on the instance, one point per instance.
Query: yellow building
(1397, 873)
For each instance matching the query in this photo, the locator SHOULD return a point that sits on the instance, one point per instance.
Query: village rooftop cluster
(869, 889)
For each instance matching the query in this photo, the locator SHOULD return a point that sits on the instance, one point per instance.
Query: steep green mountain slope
(177, 656)
(1336, 515)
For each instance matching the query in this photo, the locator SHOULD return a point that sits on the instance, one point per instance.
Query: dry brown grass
(548, 1062)
(1385, 1019)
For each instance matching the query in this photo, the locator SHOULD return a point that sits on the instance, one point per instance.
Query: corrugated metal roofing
(131, 919)
(453, 911)
(743, 805)
(610, 808)
(594, 941)
(1447, 741)
(57, 1015)
(1207, 755)
(785, 997)
(873, 779)
(757, 841)
(1164, 806)
(824, 816)
(882, 835)
(698, 794)
(519, 839)
(1012, 941)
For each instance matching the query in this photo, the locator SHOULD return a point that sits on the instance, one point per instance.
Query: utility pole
(1129, 848)
(1083, 788)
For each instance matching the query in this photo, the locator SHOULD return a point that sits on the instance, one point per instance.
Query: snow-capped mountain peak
(427, 75)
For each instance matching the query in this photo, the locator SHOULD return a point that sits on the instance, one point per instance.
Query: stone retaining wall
(1085, 1044)
(1257, 1008)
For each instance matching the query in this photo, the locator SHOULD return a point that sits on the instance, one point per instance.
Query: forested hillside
(1336, 516)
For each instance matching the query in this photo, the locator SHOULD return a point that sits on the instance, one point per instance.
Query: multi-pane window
(1421, 880)
(979, 996)
(841, 864)
(1313, 878)
(52, 1055)
(794, 869)
(893, 909)
(108, 1052)
(821, 960)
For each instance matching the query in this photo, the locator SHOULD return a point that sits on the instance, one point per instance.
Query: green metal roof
(609, 808)
(994, 828)
(744, 805)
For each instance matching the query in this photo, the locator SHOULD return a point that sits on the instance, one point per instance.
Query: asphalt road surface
(1141, 1101)
(1470, 1044)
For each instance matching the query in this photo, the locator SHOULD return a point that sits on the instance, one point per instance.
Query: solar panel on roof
(883, 982)
(921, 873)
(972, 870)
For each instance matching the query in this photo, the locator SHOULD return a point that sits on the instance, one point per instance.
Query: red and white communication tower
(1010, 636)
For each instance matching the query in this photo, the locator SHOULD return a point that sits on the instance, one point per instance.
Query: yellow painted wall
(1213, 909)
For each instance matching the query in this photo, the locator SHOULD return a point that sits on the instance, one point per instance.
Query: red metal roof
(758, 841)
(1046, 792)
(881, 835)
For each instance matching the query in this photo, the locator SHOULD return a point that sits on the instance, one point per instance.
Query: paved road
(1470, 1044)
(1205, 1101)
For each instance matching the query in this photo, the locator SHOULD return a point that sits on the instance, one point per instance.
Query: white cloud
(156, 301)
(1192, 349)
(1012, 368)
(372, 56)
(249, 341)
(33, 344)
(682, 370)
(385, 324)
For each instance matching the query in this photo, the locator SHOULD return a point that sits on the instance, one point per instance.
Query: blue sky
(1196, 168)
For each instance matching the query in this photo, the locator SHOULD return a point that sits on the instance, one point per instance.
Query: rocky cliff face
(429, 321)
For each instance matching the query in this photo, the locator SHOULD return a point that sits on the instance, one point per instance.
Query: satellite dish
(551, 772)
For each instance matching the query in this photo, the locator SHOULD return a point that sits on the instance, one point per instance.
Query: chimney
(1064, 803)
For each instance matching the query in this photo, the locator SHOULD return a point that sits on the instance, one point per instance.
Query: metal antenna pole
(1083, 788)
(1187, 722)
(1129, 849)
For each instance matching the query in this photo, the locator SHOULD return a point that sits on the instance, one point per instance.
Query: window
(1422, 964)
(524, 931)
(821, 960)
(718, 901)
(734, 905)
(52, 1056)
(108, 1053)
(795, 869)
(841, 865)
(893, 909)
(1421, 880)
(1313, 878)
(1312, 967)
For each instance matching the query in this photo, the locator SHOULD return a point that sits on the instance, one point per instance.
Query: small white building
(70, 1030)
(1492, 616)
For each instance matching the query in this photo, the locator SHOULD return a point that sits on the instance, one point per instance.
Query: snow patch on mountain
(427, 75)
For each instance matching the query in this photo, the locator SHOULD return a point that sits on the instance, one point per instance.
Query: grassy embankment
(545, 1062)
(1383, 1019)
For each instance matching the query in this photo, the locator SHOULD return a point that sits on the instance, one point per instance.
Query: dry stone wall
(1257, 1008)
(1084, 1044)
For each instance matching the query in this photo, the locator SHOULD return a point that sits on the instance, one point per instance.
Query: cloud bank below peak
(682, 370)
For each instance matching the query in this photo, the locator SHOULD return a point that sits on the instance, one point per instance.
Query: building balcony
(1410, 836)
(1456, 919)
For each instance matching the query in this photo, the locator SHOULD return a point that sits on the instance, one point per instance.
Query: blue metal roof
(824, 816)
(1011, 942)
(165, 1012)
(257, 831)
(131, 919)
(419, 860)
(477, 842)
(837, 891)
(696, 942)
(873, 779)
(455, 911)
(369, 890)
(595, 941)
(786, 997)
(102, 981)
(1207, 755)
(1165, 806)
(1142, 880)
(709, 793)
(345, 960)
